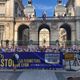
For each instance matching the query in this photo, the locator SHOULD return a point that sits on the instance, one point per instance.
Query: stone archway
(44, 35)
(64, 35)
(23, 35)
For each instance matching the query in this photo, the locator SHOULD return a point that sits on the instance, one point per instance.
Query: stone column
(53, 37)
(12, 8)
(15, 39)
(34, 35)
(11, 32)
(73, 36)
(78, 30)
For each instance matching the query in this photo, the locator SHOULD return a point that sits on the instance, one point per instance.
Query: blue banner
(32, 60)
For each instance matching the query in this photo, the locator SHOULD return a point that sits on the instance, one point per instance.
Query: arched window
(23, 35)
(44, 35)
(64, 35)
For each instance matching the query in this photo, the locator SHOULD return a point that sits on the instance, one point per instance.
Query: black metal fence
(25, 43)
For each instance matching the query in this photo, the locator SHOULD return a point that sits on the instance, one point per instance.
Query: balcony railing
(47, 18)
(3, 18)
(25, 43)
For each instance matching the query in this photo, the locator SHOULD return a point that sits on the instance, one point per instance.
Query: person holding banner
(16, 60)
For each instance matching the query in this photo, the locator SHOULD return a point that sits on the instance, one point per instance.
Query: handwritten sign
(69, 56)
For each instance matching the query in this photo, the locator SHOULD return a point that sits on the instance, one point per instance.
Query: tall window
(17, 10)
(2, 9)
(1, 32)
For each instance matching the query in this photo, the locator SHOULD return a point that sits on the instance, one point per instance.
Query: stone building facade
(20, 26)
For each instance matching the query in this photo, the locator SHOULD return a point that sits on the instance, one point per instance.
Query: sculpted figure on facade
(62, 37)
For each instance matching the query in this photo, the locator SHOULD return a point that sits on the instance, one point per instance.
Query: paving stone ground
(38, 75)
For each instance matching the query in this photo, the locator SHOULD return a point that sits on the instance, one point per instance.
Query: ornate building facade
(20, 26)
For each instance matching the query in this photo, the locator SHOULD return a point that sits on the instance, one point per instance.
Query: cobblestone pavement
(9, 75)
(65, 75)
(37, 75)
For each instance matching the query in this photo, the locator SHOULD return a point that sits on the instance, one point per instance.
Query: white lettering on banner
(52, 58)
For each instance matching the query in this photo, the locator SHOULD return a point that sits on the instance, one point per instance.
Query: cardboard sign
(69, 56)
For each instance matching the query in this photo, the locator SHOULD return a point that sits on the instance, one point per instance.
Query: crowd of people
(32, 48)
